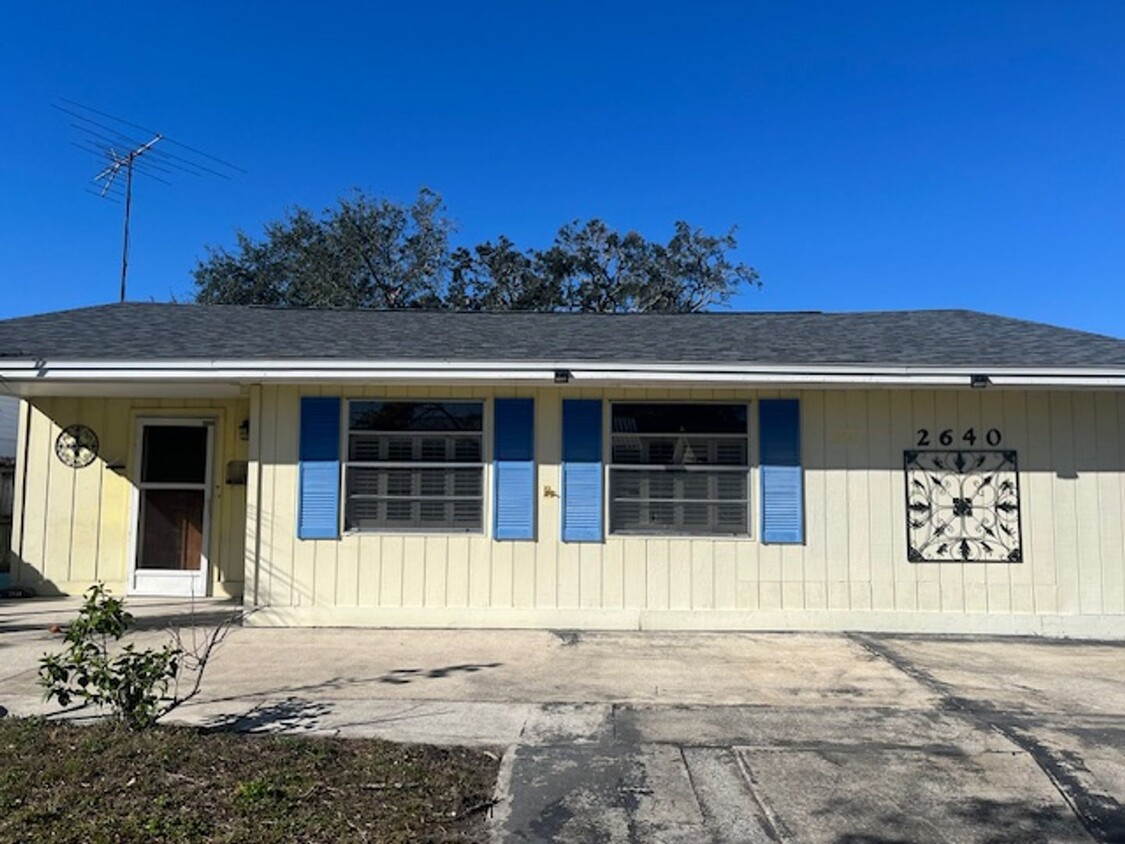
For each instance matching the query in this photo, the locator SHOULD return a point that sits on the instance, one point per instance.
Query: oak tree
(371, 252)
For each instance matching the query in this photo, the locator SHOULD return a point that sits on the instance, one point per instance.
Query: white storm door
(173, 507)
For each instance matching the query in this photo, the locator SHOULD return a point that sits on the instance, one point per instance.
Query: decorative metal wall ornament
(76, 446)
(962, 506)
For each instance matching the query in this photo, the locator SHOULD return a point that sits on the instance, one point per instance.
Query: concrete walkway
(692, 737)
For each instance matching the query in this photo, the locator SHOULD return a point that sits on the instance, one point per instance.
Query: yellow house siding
(77, 523)
(853, 560)
(73, 526)
(252, 523)
(1111, 549)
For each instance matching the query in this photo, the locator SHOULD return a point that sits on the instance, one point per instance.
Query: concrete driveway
(693, 737)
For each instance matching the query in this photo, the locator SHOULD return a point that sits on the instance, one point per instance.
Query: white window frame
(485, 466)
(750, 469)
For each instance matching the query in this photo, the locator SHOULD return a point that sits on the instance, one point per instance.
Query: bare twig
(195, 657)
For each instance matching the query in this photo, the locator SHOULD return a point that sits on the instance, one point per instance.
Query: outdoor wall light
(562, 376)
(244, 430)
(979, 382)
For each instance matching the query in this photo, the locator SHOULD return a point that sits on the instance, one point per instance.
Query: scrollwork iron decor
(962, 506)
(76, 446)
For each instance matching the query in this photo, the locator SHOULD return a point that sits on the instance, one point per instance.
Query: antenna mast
(107, 135)
(106, 177)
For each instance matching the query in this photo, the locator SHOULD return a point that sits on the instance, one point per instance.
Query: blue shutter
(582, 470)
(779, 434)
(318, 508)
(514, 468)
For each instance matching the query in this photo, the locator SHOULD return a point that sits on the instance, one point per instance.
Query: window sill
(713, 537)
(409, 532)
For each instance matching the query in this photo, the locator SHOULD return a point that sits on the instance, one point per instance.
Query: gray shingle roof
(149, 331)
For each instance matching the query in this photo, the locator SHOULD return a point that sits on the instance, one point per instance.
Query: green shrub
(132, 683)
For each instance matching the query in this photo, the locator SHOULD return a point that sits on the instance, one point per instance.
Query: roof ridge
(560, 313)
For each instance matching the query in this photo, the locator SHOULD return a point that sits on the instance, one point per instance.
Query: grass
(65, 783)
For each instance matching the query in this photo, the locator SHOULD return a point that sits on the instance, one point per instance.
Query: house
(9, 424)
(944, 471)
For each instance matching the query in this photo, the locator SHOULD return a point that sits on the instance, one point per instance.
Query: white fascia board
(255, 375)
(327, 365)
(1100, 381)
(243, 371)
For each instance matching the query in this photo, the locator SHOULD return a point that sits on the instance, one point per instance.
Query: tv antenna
(123, 153)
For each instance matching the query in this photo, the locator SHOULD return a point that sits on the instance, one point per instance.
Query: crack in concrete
(630, 797)
(690, 778)
(771, 825)
(1102, 816)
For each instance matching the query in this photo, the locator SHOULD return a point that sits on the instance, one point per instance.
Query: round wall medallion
(76, 446)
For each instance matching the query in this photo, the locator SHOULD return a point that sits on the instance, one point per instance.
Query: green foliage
(375, 253)
(247, 793)
(364, 253)
(499, 277)
(132, 683)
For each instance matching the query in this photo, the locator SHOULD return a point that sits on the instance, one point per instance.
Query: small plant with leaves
(138, 686)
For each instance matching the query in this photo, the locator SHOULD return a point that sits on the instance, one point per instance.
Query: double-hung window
(415, 465)
(680, 469)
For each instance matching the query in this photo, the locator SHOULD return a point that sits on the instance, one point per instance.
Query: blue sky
(872, 155)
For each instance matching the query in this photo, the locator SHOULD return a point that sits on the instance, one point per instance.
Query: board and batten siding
(851, 571)
(72, 527)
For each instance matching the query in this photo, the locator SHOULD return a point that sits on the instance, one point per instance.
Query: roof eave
(61, 371)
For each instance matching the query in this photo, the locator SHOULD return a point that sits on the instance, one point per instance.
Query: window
(679, 469)
(415, 465)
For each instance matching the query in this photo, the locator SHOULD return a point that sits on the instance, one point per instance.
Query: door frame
(170, 583)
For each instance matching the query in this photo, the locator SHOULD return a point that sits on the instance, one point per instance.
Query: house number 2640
(992, 436)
